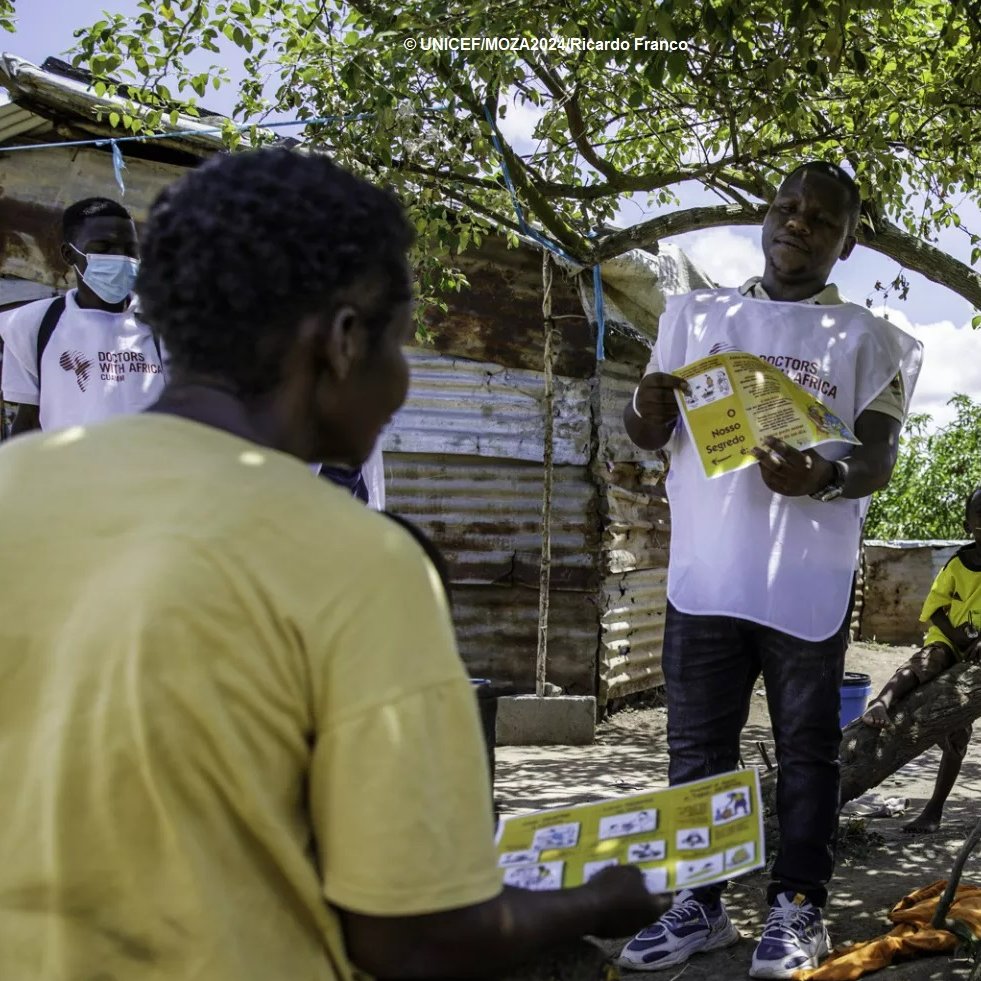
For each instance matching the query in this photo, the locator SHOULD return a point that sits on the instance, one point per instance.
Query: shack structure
(464, 457)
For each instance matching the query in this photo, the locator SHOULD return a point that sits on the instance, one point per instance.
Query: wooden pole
(545, 575)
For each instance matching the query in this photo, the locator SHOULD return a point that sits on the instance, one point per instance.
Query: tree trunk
(921, 720)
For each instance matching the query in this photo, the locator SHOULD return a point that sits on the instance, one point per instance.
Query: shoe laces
(682, 911)
(792, 920)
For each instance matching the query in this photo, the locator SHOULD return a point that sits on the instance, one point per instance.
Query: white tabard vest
(737, 549)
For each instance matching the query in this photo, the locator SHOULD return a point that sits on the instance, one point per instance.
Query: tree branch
(889, 240)
(648, 233)
(638, 183)
(923, 718)
(925, 259)
(573, 114)
(493, 219)
(483, 183)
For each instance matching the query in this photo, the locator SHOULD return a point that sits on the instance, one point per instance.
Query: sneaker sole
(774, 972)
(725, 939)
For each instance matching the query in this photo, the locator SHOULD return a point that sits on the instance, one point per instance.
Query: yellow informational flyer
(689, 835)
(738, 399)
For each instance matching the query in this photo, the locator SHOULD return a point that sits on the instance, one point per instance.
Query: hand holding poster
(737, 400)
(691, 834)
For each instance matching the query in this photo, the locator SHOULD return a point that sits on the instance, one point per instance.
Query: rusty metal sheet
(486, 516)
(35, 188)
(631, 633)
(616, 385)
(497, 631)
(898, 576)
(17, 123)
(498, 317)
(636, 529)
(473, 408)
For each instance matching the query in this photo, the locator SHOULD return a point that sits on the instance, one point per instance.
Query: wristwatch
(834, 488)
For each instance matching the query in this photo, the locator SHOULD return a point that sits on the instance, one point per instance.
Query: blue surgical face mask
(110, 277)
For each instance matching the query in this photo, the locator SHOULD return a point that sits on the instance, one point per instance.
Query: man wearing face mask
(84, 357)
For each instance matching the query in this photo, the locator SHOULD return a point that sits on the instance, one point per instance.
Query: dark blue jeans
(711, 664)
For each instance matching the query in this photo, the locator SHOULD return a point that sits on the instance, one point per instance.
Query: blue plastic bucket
(856, 690)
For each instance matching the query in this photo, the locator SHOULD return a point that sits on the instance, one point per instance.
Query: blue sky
(938, 317)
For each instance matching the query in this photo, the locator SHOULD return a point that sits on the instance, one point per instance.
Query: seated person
(953, 608)
(239, 739)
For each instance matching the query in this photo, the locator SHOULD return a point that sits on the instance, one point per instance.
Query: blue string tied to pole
(600, 314)
(547, 243)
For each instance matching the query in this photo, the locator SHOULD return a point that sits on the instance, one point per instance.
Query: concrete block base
(556, 720)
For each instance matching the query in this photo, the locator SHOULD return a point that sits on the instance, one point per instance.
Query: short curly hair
(238, 251)
(78, 213)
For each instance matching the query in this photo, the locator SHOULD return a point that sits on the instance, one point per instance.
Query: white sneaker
(689, 927)
(794, 938)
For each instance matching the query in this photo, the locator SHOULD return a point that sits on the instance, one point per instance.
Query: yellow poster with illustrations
(689, 835)
(738, 399)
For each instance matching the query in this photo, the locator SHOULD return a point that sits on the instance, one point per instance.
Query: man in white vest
(762, 560)
(84, 357)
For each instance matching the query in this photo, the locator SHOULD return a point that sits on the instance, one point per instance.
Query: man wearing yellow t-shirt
(236, 739)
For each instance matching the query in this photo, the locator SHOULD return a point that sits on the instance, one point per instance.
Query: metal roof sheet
(49, 96)
(473, 408)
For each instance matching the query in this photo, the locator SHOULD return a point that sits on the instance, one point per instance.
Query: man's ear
(344, 340)
(846, 249)
(71, 257)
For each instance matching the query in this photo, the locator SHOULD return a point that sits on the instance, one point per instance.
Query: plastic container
(856, 690)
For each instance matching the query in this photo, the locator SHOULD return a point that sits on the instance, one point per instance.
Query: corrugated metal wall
(472, 408)
(464, 460)
(486, 514)
(35, 188)
(636, 530)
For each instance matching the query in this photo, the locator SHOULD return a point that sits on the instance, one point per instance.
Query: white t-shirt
(738, 549)
(96, 364)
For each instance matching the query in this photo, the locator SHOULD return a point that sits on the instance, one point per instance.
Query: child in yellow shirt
(953, 610)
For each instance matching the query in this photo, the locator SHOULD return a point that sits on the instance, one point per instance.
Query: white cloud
(951, 363)
(726, 256)
(518, 125)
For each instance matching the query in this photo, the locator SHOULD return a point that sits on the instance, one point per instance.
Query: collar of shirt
(828, 295)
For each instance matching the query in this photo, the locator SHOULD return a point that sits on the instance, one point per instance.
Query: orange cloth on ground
(913, 936)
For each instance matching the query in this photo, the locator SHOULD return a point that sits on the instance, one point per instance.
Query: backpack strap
(48, 323)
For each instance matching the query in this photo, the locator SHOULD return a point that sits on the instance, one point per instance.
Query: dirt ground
(877, 863)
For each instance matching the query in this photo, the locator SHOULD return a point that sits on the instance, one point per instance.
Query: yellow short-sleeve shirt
(957, 591)
(230, 699)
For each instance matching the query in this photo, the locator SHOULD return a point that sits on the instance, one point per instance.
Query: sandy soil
(877, 866)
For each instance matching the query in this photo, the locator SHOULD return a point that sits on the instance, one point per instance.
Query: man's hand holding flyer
(737, 400)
